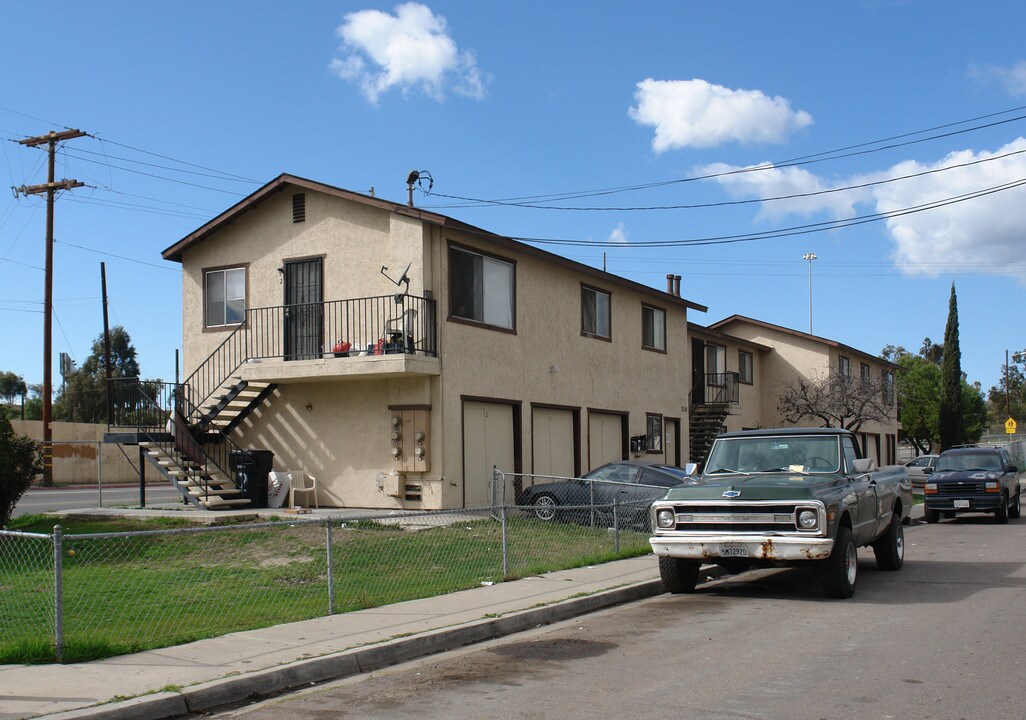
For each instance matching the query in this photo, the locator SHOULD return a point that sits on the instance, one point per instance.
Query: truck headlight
(993, 487)
(665, 518)
(930, 489)
(808, 519)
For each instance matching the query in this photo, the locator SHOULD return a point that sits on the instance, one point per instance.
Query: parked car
(631, 485)
(916, 468)
(973, 479)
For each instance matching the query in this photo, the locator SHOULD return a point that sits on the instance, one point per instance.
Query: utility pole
(50, 188)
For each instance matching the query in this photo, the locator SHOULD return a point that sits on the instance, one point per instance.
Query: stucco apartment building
(763, 360)
(398, 355)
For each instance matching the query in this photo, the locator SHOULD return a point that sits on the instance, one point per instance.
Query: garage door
(605, 439)
(552, 436)
(487, 443)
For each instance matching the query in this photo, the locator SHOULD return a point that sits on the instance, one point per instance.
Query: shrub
(20, 462)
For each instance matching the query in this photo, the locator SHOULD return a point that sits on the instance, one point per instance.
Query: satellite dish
(405, 277)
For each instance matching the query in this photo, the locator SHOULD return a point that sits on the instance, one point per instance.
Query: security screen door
(304, 329)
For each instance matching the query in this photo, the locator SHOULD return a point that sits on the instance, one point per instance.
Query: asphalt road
(38, 500)
(942, 638)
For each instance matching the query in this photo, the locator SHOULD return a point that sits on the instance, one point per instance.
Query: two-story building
(398, 355)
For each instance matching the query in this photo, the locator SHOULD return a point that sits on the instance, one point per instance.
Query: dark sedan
(628, 485)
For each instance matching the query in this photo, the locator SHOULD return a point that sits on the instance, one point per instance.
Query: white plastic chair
(302, 482)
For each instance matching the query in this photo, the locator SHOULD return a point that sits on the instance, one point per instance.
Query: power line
(530, 201)
(781, 232)
(215, 174)
(119, 257)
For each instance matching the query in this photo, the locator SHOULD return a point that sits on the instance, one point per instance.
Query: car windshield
(969, 461)
(800, 454)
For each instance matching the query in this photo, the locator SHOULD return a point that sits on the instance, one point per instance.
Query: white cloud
(695, 113)
(987, 229)
(618, 235)
(1012, 78)
(408, 50)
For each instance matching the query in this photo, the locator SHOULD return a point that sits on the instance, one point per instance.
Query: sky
(721, 141)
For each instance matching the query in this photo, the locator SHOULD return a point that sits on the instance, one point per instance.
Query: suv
(972, 479)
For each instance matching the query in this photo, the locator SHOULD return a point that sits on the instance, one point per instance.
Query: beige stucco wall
(795, 355)
(80, 457)
(338, 428)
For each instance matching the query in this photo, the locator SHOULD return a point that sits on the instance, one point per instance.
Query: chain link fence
(70, 597)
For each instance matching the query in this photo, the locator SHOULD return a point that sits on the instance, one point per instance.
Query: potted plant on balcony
(341, 348)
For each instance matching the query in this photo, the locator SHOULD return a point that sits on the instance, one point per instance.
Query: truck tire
(1001, 514)
(1014, 510)
(932, 516)
(839, 572)
(890, 548)
(679, 575)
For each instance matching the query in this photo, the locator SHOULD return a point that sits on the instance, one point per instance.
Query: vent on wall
(299, 207)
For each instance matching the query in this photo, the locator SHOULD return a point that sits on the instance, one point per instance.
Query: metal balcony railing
(387, 324)
(722, 388)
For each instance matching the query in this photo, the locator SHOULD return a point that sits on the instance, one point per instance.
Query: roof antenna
(417, 177)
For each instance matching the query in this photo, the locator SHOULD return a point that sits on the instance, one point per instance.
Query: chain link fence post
(99, 473)
(616, 525)
(58, 586)
(331, 572)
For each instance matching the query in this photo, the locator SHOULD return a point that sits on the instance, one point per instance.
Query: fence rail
(58, 592)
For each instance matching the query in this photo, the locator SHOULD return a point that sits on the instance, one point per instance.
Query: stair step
(215, 501)
(198, 491)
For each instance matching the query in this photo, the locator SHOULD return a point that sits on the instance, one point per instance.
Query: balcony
(386, 335)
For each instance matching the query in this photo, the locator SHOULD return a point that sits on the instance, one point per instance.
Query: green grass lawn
(128, 594)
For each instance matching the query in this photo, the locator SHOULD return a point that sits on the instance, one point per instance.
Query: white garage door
(605, 439)
(487, 443)
(552, 438)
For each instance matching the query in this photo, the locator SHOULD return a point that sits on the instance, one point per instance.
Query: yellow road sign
(1010, 426)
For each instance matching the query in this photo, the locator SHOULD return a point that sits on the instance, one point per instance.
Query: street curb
(347, 663)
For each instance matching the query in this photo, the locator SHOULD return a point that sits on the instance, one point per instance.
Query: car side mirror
(1013, 469)
(863, 465)
(690, 468)
(927, 470)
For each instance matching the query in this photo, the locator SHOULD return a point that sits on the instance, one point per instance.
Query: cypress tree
(952, 424)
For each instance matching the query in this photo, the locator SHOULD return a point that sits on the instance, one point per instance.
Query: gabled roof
(696, 329)
(280, 183)
(798, 333)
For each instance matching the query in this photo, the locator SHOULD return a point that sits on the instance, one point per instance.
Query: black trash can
(251, 468)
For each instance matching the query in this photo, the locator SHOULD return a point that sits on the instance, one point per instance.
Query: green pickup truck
(781, 497)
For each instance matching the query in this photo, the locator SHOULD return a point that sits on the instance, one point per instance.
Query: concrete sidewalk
(206, 674)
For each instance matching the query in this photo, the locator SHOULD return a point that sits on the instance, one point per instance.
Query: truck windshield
(799, 454)
(969, 461)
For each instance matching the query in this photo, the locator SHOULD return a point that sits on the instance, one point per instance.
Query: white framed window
(595, 319)
(653, 328)
(224, 297)
(745, 367)
(482, 288)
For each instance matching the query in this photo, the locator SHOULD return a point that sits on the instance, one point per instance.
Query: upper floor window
(888, 387)
(844, 366)
(653, 328)
(224, 297)
(745, 369)
(864, 373)
(481, 288)
(595, 312)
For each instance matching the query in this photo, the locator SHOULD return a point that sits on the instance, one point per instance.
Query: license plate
(733, 551)
(961, 503)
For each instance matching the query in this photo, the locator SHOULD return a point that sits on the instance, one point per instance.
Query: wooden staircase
(210, 488)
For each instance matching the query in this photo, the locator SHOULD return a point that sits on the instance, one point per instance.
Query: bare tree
(838, 401)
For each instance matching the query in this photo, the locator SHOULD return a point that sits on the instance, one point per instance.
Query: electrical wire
(119, 257)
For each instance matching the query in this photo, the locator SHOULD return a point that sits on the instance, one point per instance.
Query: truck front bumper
(966, 503)
(753, 547)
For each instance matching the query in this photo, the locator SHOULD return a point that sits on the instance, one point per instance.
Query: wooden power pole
(50, 189)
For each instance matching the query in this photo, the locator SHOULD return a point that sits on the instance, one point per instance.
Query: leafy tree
(835, 401)
(84, 395)
(20, 462)
(34, 404)
(918, 386)
(1013, 379)
(952, 423)
(975, 416)
(12, 387)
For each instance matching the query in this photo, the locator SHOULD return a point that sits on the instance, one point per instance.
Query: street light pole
(809, 257)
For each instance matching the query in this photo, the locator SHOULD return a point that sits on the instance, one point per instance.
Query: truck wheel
(932, 516)
(1014, 511)
(890, 548)
(1001, 514)
(679, 575)
(840, 570)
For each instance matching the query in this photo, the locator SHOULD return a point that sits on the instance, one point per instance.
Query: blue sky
(193, 105)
